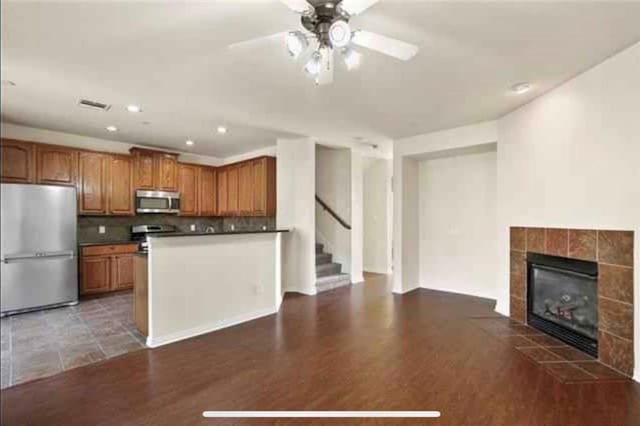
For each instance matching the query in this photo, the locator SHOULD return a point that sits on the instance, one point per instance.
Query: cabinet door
(122, 272)
(188, 188)
(259, 187)
(144, 166)
(223, 192)
(245, 189)
(18, 164)
(166, 172)
(232, 190)
(56, 165)
(95, 275)
(120, 185)
(208, 192)
(92, 184)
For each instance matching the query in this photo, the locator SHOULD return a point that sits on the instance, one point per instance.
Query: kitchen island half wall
(202, 283)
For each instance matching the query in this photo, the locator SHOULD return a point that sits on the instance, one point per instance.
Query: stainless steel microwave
(157, 202)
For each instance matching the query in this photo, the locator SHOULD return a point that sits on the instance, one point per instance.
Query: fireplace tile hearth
(613, 251)
(544, 340)
(563, 362)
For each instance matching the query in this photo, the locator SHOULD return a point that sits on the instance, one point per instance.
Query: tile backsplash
(119, 228)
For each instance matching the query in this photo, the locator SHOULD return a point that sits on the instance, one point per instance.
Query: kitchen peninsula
(198, 283)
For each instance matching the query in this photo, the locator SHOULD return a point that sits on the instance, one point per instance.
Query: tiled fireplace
(612, 252)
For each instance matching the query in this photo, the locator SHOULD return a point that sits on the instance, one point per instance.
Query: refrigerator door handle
(39, 255)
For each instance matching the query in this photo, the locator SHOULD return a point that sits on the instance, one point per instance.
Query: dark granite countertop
(106, 243)
(209, 234)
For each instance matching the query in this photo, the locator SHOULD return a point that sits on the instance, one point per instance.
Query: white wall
(334, 186)
(14, 131)
(296, 185)
(377, 210)
(407, 153)
(357, 217)
(571, 158)
(201, 284)
(458, 223)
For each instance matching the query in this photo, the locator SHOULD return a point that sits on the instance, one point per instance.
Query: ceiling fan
(328, 31)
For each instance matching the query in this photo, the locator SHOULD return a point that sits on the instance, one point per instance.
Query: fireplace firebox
(562, 299)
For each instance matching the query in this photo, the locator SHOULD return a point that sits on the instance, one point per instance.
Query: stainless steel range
(140, 233)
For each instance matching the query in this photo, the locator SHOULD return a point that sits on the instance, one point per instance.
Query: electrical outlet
(102, 229)
(233, 227)
(264, 228)
(193, 228)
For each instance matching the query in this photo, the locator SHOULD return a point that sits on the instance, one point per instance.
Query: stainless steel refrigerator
(38, 251)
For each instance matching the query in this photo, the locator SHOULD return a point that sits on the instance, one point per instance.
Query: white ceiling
(171, 58)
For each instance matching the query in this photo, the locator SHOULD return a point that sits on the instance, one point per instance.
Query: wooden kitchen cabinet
(188, 187)
(144, 167)
(208, 192)
(245, 189)
(232, 191)
(155, 170)
(223, 182)
(92, 183)
(107, 268)
(122, 272)
(166, 172)
(120, 185)
(56, 165)
(96, 275)
(18, 161)
(264, 186)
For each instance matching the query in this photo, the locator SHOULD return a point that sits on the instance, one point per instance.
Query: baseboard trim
(480, 295)
(636, 377)
(405, 291)
(208, 328)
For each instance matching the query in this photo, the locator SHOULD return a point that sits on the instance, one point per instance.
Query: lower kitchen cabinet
(106, 268)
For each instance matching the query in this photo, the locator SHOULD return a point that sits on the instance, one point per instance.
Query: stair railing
(333, 214)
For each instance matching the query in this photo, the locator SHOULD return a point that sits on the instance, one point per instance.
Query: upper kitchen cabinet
(264, 186)
(120, 185)
(18, 162)
(155, 170)
(208, 192)
(144, 166)
(248, 188)
(188, 187)
(56, 165)
(92, 183)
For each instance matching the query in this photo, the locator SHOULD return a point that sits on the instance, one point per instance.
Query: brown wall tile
(615, 247)
(518, 263)
(557, 242)
(517, 236)
(616, 352)
(615, 282)
(517, 285)
(582, 244)
(518, 309)
(535, 240)
(615, 317)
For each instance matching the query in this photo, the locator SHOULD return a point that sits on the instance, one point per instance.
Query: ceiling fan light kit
(327, 23)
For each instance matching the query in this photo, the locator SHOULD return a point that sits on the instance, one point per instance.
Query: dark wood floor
(358, 348)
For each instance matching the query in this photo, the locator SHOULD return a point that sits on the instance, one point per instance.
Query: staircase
(328, 273)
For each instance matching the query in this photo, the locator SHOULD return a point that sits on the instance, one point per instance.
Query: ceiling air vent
(94, 105)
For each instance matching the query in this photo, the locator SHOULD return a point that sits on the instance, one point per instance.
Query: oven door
(157, 202)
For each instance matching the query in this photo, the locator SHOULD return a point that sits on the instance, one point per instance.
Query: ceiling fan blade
(383, 44)
(326, 67)
(258, 41)
(298, 6)
(356, 7)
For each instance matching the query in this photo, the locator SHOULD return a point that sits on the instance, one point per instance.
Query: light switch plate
(102, 229)
(193, 228)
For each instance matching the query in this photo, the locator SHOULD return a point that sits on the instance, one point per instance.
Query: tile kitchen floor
(40, 344)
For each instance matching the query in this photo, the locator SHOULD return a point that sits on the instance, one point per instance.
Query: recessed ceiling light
(521, 88)
(222, 130)
(190, 142)
(112, 128)
(8, 83)
(133, 108)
